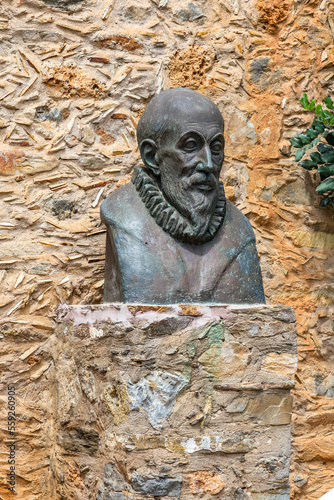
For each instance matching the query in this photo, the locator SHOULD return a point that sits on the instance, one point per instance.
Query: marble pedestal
(175, 402)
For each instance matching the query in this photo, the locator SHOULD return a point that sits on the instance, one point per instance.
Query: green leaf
(326, 170)
(327, 185)
(304, 101)
(328, 157)
(316, 122)
(324, 202)
(310, 132)
(319, 128)
(324, 148)
(299, 155)
(330, 138)
(296, 142)
(305, 139)
(316, 157)
(311, 105)
(308, 164)
(318, 109)
(329, 102)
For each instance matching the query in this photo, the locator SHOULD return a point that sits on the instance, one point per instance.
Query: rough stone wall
(74, 79)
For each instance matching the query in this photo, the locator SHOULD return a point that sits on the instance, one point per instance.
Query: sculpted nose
(205, 160)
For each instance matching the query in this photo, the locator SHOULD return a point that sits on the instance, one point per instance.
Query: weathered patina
(171, 234)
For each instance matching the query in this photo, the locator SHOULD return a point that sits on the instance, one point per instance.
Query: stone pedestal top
(116, 312)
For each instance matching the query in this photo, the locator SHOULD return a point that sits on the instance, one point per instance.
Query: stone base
(176, 401)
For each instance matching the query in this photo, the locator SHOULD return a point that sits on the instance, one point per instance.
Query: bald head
(171, 109)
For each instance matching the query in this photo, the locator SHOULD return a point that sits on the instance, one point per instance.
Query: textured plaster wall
(75, 77)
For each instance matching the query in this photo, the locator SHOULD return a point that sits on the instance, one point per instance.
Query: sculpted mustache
(201, 178)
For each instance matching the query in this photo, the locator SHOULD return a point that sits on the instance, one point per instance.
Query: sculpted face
(187, 154)
(190, 161)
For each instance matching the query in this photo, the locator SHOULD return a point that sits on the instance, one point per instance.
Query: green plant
(321, 135)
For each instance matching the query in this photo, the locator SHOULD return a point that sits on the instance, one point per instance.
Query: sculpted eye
(216, 147)
(190, 145)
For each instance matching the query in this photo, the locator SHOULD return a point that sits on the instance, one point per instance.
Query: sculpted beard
(173, 214)
(195, 197)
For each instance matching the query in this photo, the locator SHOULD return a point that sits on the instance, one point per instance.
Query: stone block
(176, 402)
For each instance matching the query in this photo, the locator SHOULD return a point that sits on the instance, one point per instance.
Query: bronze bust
(172, 237)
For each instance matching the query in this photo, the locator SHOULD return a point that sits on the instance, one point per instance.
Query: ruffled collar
(168, 218)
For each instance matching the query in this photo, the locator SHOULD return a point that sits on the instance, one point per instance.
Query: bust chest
(155, 268)
(147, 265)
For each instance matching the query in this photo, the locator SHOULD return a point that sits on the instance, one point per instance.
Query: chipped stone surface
(188, 68)
(226, 360)
(156, 394)
(71, 81)
(283, 363)
(114, 486)
(162, 485)
(271, 409)
(147, 415)
(205, 482)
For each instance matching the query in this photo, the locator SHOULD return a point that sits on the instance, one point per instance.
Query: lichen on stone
(116, 400)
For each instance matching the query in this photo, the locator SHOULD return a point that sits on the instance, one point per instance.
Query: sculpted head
(181, 141)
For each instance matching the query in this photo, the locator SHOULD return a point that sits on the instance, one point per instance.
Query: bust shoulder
(237, 223)
(116, 208)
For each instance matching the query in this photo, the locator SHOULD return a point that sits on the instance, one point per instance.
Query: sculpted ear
(148, 152)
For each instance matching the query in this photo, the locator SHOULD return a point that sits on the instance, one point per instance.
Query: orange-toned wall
(75, 77)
